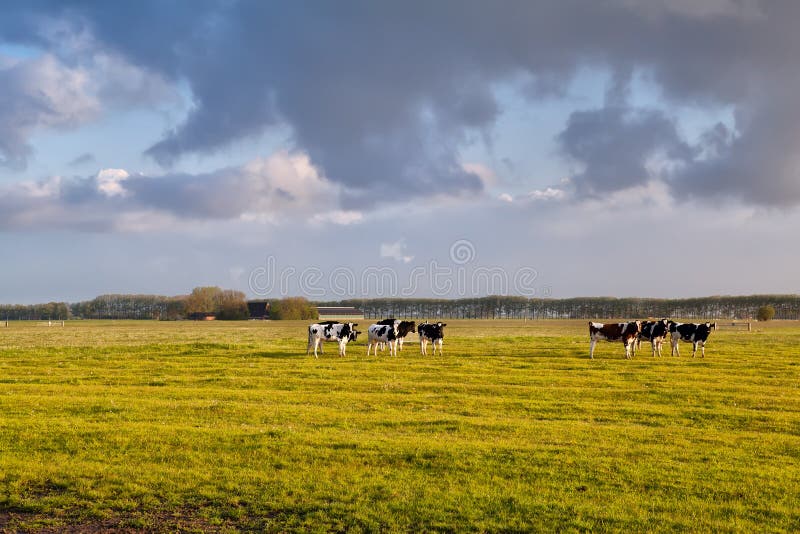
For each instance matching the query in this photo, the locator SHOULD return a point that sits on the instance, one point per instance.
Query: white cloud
(396, 251)
(549, 193)
(340, 217)
(505, 197)
(109, 182)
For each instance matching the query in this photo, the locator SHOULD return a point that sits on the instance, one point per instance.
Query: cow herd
(631, 334)
(392, 332)
(389, 332)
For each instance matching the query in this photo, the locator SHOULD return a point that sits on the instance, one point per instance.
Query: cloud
(385, 98)
(340, 217)
(48, 93)
(396, 251)
(110, 182)
(548, 193)
(84, 159)
(276, 190)
(40, 93)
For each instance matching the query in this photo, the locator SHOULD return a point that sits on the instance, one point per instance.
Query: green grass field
(230, 426)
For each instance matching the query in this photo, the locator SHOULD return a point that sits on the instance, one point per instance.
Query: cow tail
(308, 347)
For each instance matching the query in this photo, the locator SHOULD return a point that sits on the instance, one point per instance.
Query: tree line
(230, 304)
(505, 307)
(223, 304)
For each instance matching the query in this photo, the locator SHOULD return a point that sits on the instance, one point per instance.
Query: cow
(655, 332)
(331, 331)
(433, 332)
(694, 333)
(625, 332)
(382, 333)
(403, 329)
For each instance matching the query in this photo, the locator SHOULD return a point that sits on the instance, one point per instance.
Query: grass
(230, 426)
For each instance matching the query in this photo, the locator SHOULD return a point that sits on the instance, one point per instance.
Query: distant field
(230, 426)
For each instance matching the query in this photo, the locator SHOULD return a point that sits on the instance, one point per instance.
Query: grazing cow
(331, 331)
(382, 333)
(433, 332)
(625, 332)
(694, 333)
(655, 332)
(403, 329)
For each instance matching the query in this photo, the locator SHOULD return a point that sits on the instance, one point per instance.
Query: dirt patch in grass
(163, 521)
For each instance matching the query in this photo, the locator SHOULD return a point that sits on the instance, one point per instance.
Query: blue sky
(613, 148)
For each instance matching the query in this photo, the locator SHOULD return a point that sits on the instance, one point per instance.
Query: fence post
(749, 327)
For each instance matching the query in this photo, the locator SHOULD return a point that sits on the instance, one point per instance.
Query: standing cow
(403, 329)
(655, 332)
(694, 333)
(330, 331)
(625, 332)
(378, 334)
(433, 332)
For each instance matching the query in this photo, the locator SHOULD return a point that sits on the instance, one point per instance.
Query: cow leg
(592, 343)
(702, 349)
(694, 348)
(675, 348)
(369, 346)
(422, 347)
(654, 347)
(441, 342)
(316, 344)
(628, 346)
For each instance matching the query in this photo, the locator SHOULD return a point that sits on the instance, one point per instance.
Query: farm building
(258, 309)
(327, 313)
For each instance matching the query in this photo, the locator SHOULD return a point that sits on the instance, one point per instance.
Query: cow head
(711, 326)
(353, 335)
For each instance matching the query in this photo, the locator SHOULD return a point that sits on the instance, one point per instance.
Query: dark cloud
(84, 159)
(389, 93)
(615, 145)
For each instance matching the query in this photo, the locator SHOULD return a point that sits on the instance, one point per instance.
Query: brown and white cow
(625, 332)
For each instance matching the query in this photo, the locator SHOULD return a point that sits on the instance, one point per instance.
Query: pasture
(230, 426)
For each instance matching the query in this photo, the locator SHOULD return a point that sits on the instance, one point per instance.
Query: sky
(395, 149)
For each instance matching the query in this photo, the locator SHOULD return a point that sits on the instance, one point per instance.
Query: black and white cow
(694, 333)
(403, 329)
(341, 333)
(625, 332)
(378, 334)
(655, 332)
(433, 332)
